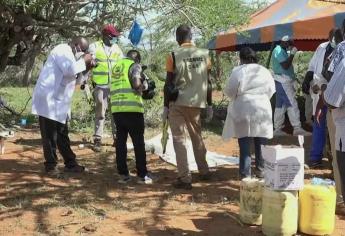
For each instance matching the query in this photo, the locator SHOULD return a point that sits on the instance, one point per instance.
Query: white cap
(285, 38)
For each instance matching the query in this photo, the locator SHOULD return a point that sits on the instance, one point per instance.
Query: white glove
(165, 114)
(293, 51)
(145, 85)
(209, 114)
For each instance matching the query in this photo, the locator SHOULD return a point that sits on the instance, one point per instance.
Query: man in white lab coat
(52, 98)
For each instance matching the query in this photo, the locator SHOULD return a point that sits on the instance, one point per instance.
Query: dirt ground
(32, 203)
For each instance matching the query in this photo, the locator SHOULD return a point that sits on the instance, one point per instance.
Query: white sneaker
(124, 179)
(299, 131)
(279, 132)
(146, 180)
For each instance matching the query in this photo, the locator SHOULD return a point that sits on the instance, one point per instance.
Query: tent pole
(269, 56)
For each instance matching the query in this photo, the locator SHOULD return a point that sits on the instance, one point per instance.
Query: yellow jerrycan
(317, 209)
(279, 212)
(251, 201)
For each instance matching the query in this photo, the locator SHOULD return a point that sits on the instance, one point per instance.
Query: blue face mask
(114, 40)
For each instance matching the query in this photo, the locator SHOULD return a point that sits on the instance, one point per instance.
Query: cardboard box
(284, 167)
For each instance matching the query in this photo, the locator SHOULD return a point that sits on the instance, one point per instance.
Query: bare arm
(135, 77)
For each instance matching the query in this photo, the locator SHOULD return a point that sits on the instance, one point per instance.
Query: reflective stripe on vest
(123, 97)
(100, 74)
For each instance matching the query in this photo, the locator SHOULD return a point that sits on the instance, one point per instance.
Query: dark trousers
(245, 159)
(55, 134)
(341, 167)
(131, 123)
(319, 137)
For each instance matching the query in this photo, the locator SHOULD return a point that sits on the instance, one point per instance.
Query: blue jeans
(245, 159)
(319, 137)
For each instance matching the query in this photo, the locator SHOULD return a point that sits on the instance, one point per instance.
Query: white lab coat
(54, 89)
(250, 88)
(316, 65)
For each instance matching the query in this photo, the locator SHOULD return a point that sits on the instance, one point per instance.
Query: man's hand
(315, 89)
(87, 58)
(209, 114)
(295, 85)
(293, 51)
(323, 87)
(145, 85)
(165, 114)
(89, 61)
(319, 106)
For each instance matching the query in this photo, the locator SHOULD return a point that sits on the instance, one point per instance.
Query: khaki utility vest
(191, 76)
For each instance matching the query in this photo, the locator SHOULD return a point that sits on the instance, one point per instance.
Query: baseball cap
(111, 30)
(286, 38)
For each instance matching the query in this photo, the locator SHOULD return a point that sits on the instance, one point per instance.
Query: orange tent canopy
(308, 22)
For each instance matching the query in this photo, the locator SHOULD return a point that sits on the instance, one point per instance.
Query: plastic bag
(135, 33)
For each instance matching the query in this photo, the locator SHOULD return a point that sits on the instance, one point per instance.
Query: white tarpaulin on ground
(213, 159)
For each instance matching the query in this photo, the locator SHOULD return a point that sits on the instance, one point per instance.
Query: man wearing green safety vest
(127, 85)
(106, 52)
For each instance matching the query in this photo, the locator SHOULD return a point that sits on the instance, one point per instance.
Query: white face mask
(113, 40)
(78, 53)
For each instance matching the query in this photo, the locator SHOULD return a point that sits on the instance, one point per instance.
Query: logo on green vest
(118, 71)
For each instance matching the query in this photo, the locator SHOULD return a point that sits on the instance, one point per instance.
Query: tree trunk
(28, 70)
(36, 48)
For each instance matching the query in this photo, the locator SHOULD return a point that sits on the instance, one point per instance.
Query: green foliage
(17, 103)
(57, 20)
(206, 17)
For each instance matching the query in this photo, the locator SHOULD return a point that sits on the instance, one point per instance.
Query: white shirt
(335, 96)
(53, 92)
(250, 88)
(316, 65)
(108, 51)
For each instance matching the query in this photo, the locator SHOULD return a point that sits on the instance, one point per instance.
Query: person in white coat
(250, 88)
(52, 98)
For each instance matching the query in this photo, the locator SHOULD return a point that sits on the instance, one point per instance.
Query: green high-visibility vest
(100, 74)
(123, 98)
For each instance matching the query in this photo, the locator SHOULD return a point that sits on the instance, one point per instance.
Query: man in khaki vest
(188, 75)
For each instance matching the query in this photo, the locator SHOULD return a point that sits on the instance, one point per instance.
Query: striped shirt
(337, 57)
(335, 96)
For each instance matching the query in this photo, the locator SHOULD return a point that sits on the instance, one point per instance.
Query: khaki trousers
(101, 96)
(181, 117)
(331, 133)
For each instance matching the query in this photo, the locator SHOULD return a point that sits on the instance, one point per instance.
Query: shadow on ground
(32, 202)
